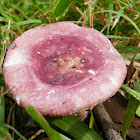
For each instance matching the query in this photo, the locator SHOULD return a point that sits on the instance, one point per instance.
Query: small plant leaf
(74, 127)
(52, 134)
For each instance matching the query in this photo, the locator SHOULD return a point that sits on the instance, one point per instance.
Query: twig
(106, 122)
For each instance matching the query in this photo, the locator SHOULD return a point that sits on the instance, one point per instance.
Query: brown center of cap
(65, 59)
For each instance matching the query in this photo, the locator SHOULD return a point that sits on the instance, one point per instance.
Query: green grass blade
(124, 16)
(129, 115)
(52, 134)
(23, 23)
(3, 131)
(132, 92)
(117, 17)
(5, 136)
(74, 127)
(60, 8)
(91, 122)
(35, 4)
(94, 4)
(12, 128)
(131, 109)
(130, 57)
(123, 3)
(13, 18)
(26, 22)
(3, 19)
(79, 10)
(118, 37)
(110, 15)
(129, 50)
(2, 114)
(138, 111)
(137, 88)
(133, 3)
(2, 135)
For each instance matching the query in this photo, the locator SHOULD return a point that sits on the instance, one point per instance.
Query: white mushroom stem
(106, 122)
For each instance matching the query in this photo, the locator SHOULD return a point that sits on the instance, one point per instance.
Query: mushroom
(62, 68)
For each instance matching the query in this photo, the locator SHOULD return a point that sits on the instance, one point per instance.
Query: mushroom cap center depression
(65, 59)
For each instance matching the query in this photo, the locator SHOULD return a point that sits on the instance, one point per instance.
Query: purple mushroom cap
(62, 68)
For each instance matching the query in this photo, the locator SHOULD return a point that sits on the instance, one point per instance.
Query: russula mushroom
(62, 68)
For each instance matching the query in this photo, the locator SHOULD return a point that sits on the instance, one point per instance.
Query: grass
(117, 19)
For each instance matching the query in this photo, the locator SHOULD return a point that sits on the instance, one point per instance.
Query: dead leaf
(131, 69)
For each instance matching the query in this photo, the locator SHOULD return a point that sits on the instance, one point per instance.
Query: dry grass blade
(131, 69)
(117, 42)
(9, 115)
(6, 138)
(90, 12)
(2, 59)
(37, 133)
(84, 18)
(13, 120)
(11, 32)
(3, 93)
(48, 17)
(84, 14)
